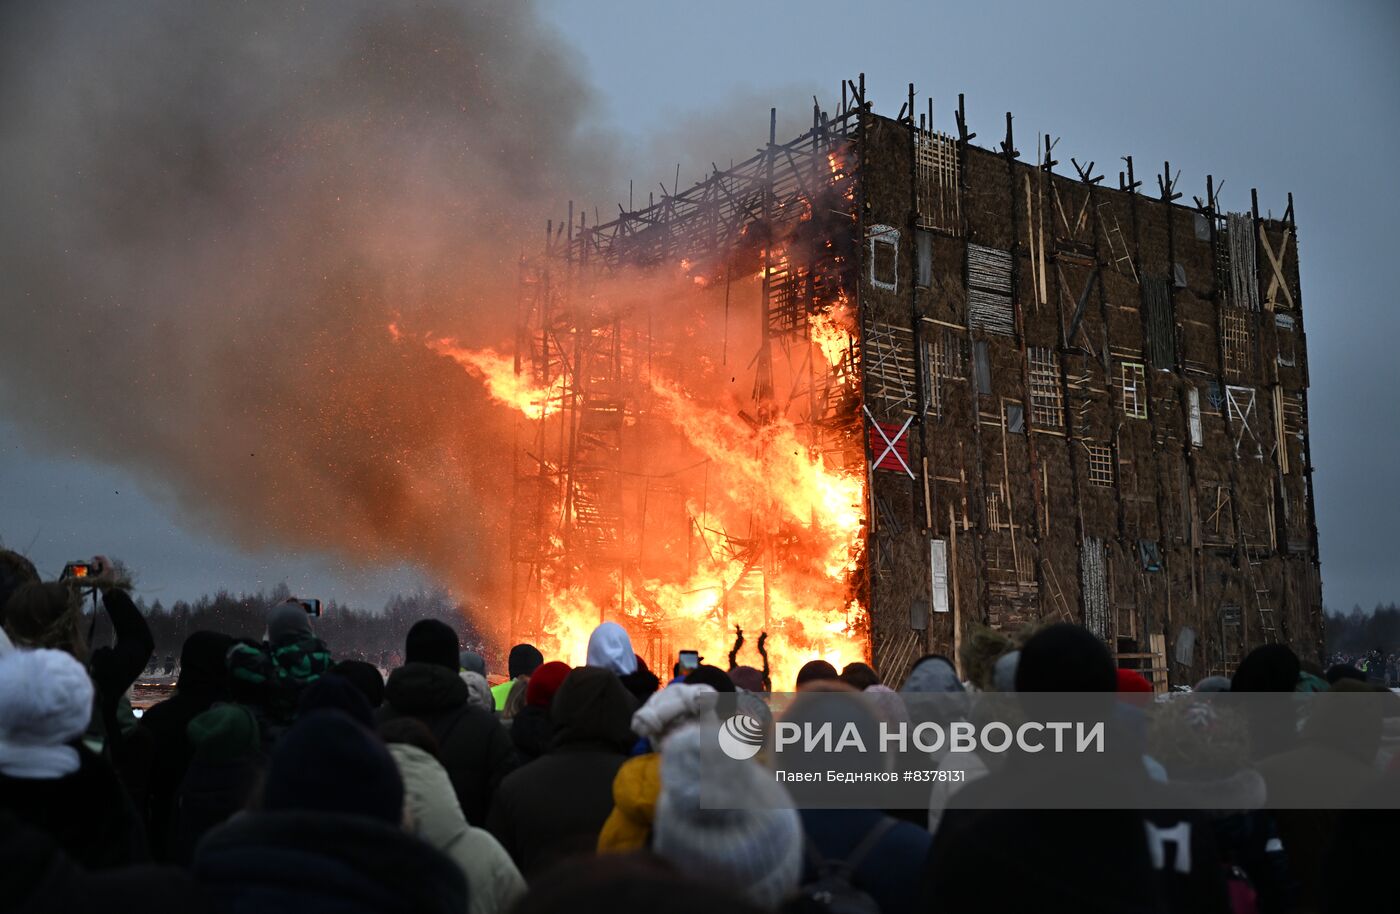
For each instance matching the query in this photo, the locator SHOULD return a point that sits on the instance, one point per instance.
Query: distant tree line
(348, 631)
(1360, 632)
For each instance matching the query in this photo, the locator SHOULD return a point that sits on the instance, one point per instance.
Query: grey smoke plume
(211, 213)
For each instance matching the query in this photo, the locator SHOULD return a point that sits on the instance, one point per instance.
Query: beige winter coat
(494, 884)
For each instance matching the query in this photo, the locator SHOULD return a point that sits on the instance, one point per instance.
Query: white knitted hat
(45, 703)
(672, 707)
(745, 833)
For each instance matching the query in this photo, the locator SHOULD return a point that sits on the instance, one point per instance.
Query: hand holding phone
(689, 660)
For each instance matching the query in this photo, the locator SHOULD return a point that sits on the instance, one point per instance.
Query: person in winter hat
(474, 747)
(638, 781)
(48, 778)
(1268, 668)
(532, 730)
(749, 679)
(712, 676)
(432, 641)
(1332, 763)
(815, 671)
(641, 682)
(50, 615)
(472, 662)
(557, 804)
(1213, 684)
(435, 817)
(994, 851)
(157, 752)
(270, 676)
(332, 692)
(226, 765)
(45, 704)
(933, 674)
(523, 660)
(610, 648)
(859, 676)
(329, 834)
(1204, 747)
(365, 677)
(478, 691)
(741, 833)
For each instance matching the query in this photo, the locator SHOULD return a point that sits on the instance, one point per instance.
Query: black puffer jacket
(270, 862)
(556, 805)
(87, 813)
(473, 746)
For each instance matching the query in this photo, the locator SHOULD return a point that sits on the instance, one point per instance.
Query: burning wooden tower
(877, 385)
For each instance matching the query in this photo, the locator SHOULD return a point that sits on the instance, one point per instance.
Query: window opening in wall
(945, 361)
(1134, 390)
(1015, 418)
(1215, 397)
(936, 154)
(982, 367)
(884, 257)
(1047, 399)
(923, 258)
(1237, 341)
(1193, 405)
(1100, 464)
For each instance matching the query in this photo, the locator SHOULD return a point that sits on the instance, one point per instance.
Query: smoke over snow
(212, 212)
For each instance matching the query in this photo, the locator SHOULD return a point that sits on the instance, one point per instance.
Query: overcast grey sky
(1285, 95)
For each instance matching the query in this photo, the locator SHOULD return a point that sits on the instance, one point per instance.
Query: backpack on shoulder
(833, 891)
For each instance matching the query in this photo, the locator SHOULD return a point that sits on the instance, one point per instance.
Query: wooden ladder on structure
(1117, 244)
(1263, 596)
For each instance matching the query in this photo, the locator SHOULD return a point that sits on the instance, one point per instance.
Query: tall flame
(781, 534)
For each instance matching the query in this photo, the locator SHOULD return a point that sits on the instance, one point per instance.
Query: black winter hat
(329, 763)
(1065, 658)
(712, 676)
(1267, 668)
(431, 641)
(524, 660)
(816, 671)
(365, 677)
(333, 692)
(202, 665)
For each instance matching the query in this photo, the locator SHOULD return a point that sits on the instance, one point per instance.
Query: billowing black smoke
(213, 210)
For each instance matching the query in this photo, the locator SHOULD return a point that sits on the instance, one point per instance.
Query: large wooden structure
(1077, 400)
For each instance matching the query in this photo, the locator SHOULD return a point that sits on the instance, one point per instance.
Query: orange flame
(782, 534)
(830, 332)
(503, 385)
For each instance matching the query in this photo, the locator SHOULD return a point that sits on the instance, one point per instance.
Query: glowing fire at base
(802, 516)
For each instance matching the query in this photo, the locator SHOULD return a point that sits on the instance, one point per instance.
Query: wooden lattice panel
(890, 374)
(936, 156)
(1047, 397)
